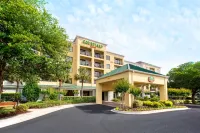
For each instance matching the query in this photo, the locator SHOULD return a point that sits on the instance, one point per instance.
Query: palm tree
(83, 75)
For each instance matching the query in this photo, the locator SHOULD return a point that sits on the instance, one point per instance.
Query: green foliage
(137, 103)
(148, 103)
(10, 96)
(75, 92)
(135, 91)
(53, 96)
(154, 99)
(157, 105)
(30, 38)
(31, 91)
(179, 93)
(21, 108)
(44, 104)
(186, 75)
(121, 86)
(4, 112)
(85, 99)
(83, 76)
(116, 100)
(116, 108)
(187, 101)
(168, 103)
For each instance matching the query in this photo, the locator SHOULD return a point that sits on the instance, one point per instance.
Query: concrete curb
(34, 113)
(148, 112)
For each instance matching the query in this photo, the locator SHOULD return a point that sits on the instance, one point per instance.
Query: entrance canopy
(136, 76)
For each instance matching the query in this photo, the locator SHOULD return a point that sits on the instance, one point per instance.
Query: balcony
(118, 62)
(97, 74)
(85, 52)
(100, 56)
(98, 65)
(85, 63)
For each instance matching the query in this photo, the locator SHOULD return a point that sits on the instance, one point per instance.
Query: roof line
(115, 53)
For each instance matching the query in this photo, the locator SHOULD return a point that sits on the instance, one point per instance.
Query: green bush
(10, 96)
(53, 96)
(154, 99)
(148, 103)
(179, 93)
(137, 103)
(21, 108)
(187, 101)
(168, 103)
(44, 104)
(157, 105)
(115, 100)
(31, 91)
(85, 99)
(7, 112)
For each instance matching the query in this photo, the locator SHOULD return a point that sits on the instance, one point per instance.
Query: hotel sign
(151, 79)
(92, 44)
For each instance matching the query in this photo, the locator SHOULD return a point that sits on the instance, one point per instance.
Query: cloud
(106, 8)
(92, 9)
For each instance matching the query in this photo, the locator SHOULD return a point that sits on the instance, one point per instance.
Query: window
(94, 81)
(108, 66)
(107, 57)
(71, 49)
(152, 69)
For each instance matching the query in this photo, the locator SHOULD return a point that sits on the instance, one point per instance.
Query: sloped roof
(129, 67)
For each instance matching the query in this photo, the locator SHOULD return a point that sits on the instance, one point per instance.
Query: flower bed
(148, 106)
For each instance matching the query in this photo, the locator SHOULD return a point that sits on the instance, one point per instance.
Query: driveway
(99, 119)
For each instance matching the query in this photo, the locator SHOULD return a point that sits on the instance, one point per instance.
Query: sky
(165, 33)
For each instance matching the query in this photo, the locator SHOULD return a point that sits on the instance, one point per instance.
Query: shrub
(10, 96)
(117, 108)
(7, 112)
(44, 104)
(148, 103)
(135, 91)
(187, 102)
(179, 93)
(157, 105)
(155, 99)
(168, 103)
(85, 99)
(21, 108)
(31, 91)
(115, 100)
(53, 96)
(137, 103)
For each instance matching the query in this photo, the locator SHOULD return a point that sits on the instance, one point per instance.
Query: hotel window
(94, 81)
(107, 57)
(108, 66)
(152, 69)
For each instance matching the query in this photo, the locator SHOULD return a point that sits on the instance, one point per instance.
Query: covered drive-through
(135, 75)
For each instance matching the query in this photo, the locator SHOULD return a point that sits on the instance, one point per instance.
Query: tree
(29, 34)
(31, 91)
(122, 86)
(135, 91)
(186, 75)
(83, 75)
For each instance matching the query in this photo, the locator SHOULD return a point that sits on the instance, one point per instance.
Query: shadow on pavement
(96, 109)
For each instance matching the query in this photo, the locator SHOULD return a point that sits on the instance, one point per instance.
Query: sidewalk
(35, 113)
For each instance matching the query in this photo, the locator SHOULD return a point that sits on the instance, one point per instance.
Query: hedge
(85, 99)
(9, 96)
(178, 93)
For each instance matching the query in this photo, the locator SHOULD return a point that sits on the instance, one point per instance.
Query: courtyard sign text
(93, 44)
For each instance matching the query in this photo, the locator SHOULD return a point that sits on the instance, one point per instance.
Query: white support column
(110, 95)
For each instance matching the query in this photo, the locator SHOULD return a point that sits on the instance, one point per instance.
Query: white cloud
(106, 8)
(92, 9)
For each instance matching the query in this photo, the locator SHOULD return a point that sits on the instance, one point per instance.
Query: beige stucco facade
(136, 78)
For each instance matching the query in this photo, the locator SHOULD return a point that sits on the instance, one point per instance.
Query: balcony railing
(87, 53)
(98, 74)
(85, 63)
(118, 62)
(98, 65)
(99, 56)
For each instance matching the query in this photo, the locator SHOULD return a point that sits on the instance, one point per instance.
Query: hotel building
(94, 56)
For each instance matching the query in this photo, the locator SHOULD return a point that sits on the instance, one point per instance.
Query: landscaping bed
(149, 106)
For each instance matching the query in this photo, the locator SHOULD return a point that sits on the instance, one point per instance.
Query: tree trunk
(1, 83)
(17, 89)
(193, 97)
(82, 89)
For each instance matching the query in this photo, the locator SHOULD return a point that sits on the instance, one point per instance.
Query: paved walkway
(33, 113)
